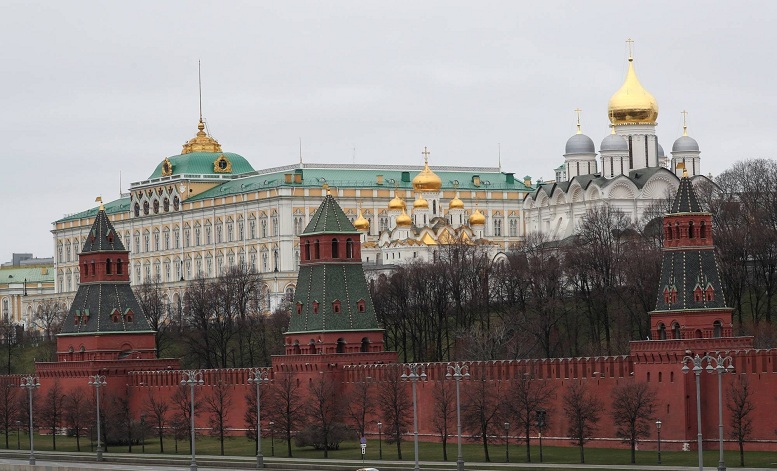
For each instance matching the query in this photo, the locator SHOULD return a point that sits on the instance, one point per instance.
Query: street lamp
(98, 381)
(380, 441)
(30, 383)
(272, 438)
(259, 376)
(540, 413)
(658, 432)
(18, 434)
(457, 371)
(414, 372)
(722, 365)
(192, 378)
(143, 433)
(507, 442)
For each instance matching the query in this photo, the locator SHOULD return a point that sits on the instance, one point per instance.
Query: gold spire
(427, 180)
(202, 142)
(99, 199)
(632, 104)
(685, 123)
(578, 110)
(361, 224)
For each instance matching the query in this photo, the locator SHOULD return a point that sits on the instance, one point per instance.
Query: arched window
(702, 230)
(717, 329)
(86, 269)
(94, 272)
(335, 249)
(365, 345)
(690, 230)
(316, 249)
(340, 345)
(661, 331)
(307, 250)
(348, 248)
(108, 267)
(676, 331)
(119, 268)
(296, 349)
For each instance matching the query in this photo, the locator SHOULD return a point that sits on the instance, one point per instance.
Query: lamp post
(380, 441)
(30, 383)
(192, 378)
(272, 438)
(143, 433)
(722, 365)
(507, 442)
(658, 433)
(259, 376)
(98, 381)
(457, 371)
(540, 425)
(414, 372)
(18, 434)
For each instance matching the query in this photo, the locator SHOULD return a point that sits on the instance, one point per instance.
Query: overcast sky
(95, 90)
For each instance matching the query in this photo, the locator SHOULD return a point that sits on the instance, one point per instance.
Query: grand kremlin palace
(205, 210)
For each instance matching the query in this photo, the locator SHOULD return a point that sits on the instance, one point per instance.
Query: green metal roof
(121, 205)
(329, 217)
(201, 163)
(33, 274)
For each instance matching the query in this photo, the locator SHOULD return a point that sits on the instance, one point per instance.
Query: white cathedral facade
(631, 172)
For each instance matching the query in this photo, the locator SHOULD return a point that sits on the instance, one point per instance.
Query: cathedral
(631, 174)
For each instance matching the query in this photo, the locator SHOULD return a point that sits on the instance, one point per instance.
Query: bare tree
(526, 395)
(361, 403)
(285, 406)
(8, 404)
(181, 403)
(396, 406)
(157, 408)
(483, 409)
(633, 406)
(740, 405)
(219, 403)
(52, 410)
(583, 411)
(324, 408)
(153, 300)
(444, 417)
(76, 413)
(48, 318)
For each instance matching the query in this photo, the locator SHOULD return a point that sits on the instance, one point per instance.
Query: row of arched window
(676, 231)
(717, 331)
(108, 267)
(312, 251)
(361, 306)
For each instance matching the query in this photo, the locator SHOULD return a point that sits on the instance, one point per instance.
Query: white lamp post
(380, 440)
(259, 376)
(98, 381)
(192, 378)
(722, 365)
(30, 383)
(658, 432)
(457, 371)
(415, 371)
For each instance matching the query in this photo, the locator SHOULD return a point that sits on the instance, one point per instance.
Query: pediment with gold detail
(167, 168)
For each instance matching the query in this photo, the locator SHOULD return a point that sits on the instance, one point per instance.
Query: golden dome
(477, 218)
(396, 203)
(201, 142)
(360, 223)
(420, 203)
(456, 203)
(403, 220)
(427, 180)
(632, 104)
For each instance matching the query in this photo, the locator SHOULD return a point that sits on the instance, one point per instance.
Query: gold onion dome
(427, 180)
(403, 220)
(456, 203)
(396, 203)
(202, 142)
(420, 203)
(632, 104)
(477, 218)
(360, 223)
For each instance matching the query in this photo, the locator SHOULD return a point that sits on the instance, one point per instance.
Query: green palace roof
(33, 274)
(201, 163)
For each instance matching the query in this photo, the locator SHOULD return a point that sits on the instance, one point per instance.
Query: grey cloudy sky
(94, 89)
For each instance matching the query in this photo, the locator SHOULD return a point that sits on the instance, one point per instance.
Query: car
(367, 469)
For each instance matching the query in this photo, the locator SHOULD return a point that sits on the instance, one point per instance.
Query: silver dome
(660, 151)
(685, 144)
(614, 142)
(580, 144)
